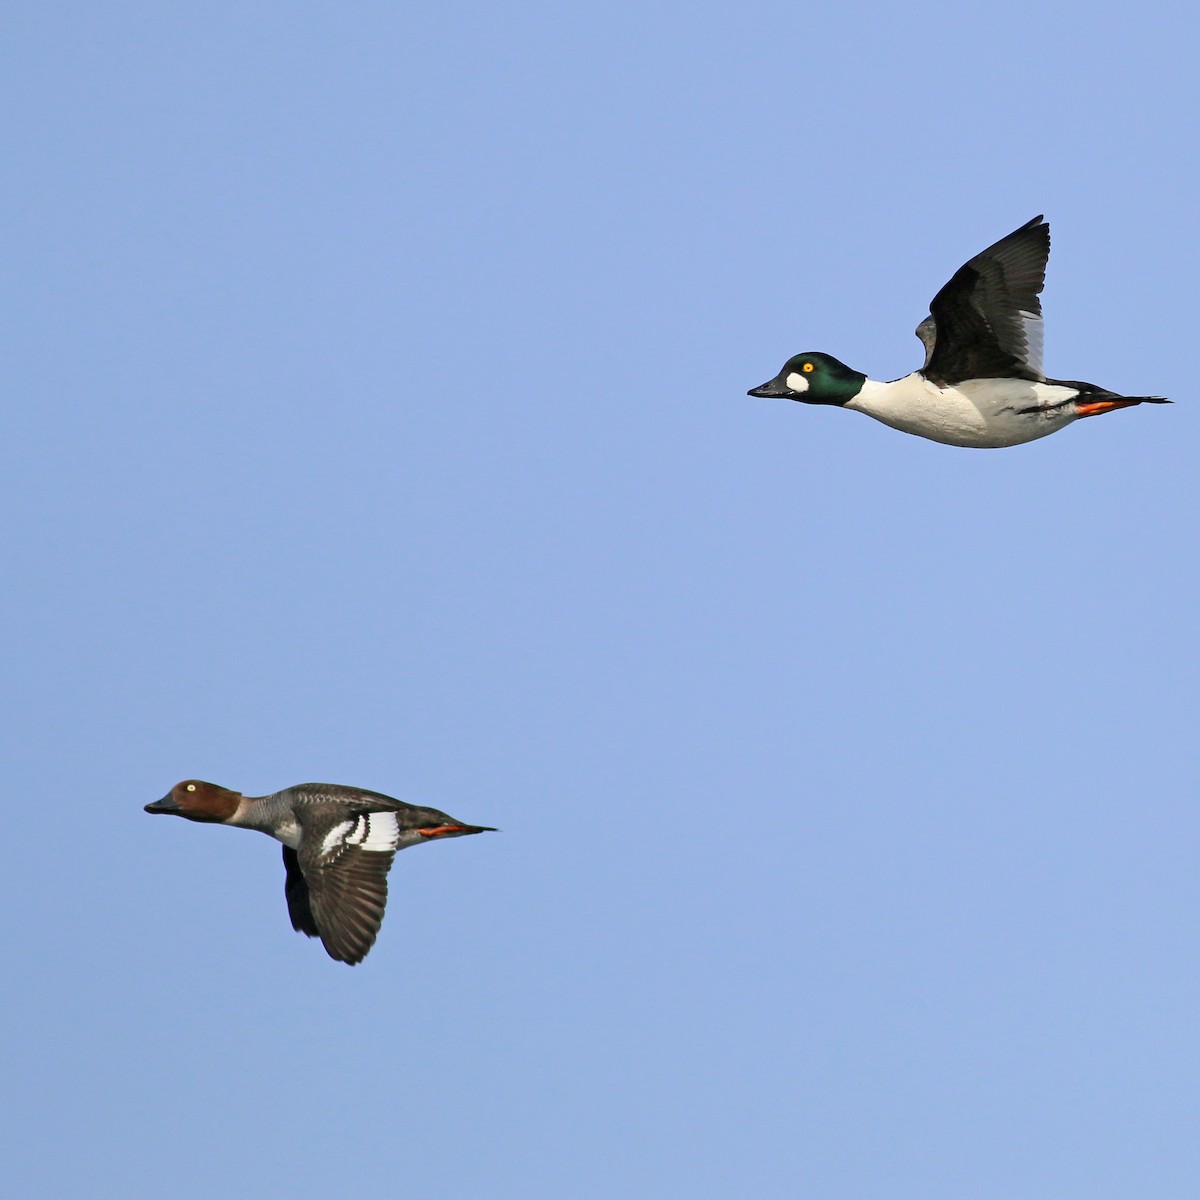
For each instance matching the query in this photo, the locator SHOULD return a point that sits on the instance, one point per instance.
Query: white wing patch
(335, 837)
(375, 831)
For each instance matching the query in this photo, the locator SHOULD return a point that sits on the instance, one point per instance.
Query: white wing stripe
(376, 831)
(335, 837)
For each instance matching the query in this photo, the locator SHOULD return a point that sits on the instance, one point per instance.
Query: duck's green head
(813, 379)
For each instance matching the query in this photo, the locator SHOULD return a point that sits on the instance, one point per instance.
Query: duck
(982, 384)
(338, 845)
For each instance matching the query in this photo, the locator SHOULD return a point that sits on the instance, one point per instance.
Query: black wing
(987, 321)
(346, 893)
(295, 888)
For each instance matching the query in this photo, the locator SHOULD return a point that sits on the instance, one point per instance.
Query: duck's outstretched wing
(336, 885)
(986, 323)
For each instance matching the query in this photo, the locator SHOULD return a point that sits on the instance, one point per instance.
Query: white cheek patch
(797, 382)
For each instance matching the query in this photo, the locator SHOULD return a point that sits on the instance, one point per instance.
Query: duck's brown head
(198, 801)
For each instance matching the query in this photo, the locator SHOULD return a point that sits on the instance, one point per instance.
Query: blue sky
(376, 414)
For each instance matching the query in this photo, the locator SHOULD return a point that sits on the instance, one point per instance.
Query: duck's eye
(191, 787)
(806, 368)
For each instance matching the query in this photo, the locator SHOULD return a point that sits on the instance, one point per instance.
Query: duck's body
(981, 413)
(982, 383)
(338, 845)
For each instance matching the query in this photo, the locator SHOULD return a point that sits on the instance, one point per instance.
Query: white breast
(976, 412)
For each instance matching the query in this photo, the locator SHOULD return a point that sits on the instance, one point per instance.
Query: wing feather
(347, 894)
(987, 321)
(295, 890)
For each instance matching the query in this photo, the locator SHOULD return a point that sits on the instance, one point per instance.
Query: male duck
(982, 383)
(338, 843)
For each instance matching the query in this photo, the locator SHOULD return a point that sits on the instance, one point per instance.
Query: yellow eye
(191, 787)
(807, 367)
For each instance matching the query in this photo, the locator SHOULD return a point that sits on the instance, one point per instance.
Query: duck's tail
(1108, 403)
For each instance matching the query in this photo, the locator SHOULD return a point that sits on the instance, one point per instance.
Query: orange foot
(1103, 406)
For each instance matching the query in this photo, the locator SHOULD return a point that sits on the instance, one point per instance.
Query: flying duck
(338, 845)
(982, 383)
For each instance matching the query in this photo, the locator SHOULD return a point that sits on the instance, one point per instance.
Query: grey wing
(987, 321)
(927, 332)
(347, 893)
